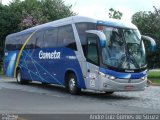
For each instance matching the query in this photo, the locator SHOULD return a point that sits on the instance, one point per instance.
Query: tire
(44, 83)
(72, 85)
(19, 78)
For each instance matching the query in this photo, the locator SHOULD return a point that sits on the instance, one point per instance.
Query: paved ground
(38, 99)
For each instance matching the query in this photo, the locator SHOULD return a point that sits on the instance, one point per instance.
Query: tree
(35, 12)
(8, 24)
(115, 14)
(149, 24)
(20, 15)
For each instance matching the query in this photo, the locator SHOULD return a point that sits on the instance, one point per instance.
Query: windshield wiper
(134, 61)
(130, 56)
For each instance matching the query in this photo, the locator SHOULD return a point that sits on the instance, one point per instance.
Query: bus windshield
(125, 49)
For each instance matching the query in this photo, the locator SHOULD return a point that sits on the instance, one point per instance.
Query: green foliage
(8, 24)
(154, 74)
(1, 73)
(115, 14)
(20, 15)
(155, 81)
(35, 12)
(149, 24)
(1, 65)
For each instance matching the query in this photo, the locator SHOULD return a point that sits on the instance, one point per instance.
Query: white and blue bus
(79, 53)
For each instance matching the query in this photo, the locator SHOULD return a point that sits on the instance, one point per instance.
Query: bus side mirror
(101, 36)
(152, 41)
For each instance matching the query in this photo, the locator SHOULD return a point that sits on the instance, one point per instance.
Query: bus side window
(18, 41)
(50, 38)
(66, 37)
(92, 50)
(39, 39)
(81, 29)
(23, 39)
(12, 43)
(31, 43)
(9, 44)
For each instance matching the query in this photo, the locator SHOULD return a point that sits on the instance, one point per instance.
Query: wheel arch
(18, 68)
(72, 71)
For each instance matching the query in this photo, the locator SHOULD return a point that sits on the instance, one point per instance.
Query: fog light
(105, 75)
(143, 78)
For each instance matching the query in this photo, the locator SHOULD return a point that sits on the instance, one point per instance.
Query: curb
(151, 83)
(4, 78)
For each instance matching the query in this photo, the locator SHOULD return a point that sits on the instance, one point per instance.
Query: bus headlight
(105, 75)
(144, 78)
(111, 77)
(102, 74)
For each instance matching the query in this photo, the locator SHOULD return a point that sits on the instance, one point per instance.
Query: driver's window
(92, 50)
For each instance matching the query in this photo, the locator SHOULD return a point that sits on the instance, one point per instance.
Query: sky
(100, 8)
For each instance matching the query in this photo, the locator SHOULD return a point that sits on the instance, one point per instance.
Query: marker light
(102, 74)
(108, 76)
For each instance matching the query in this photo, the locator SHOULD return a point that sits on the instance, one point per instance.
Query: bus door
(92, 62)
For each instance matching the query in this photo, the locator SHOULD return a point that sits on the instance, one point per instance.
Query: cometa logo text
(49, 55)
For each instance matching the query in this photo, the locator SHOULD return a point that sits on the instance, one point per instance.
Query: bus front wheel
(72, 84)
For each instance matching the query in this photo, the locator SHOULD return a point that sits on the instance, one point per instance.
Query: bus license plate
(128, 87)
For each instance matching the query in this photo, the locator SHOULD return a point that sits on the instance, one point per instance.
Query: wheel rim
(18, 77)
(72, 84)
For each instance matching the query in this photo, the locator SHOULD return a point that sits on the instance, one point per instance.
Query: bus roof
(76, 19)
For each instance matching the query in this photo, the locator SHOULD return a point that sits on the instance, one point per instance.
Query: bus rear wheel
(44, 83)
(72, 84)
(19, 78)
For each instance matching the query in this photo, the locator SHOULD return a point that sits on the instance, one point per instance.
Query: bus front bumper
(122, 84)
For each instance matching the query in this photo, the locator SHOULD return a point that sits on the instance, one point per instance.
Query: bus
(79, 53)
